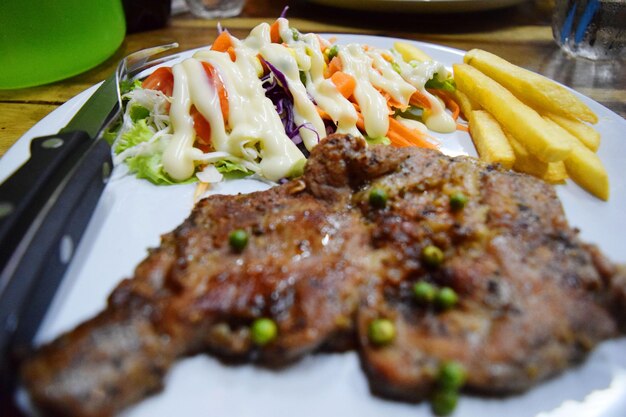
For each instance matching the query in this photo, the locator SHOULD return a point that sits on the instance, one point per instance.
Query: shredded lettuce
(139, 132)
(150, 167)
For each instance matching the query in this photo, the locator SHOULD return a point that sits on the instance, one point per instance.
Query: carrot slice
(334, 65)
(397, 140)
(222, 42)
(462, 127)
(421, 100)
(231, 51)
(323, 114)
(413, 136)
(345, 83)
(399, 135)
(275, 32)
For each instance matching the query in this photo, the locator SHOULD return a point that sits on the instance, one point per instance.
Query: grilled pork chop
(323, 262)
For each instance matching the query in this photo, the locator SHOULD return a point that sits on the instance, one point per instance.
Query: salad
(257, 106)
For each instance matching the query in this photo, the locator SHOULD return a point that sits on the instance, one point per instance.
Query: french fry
(585, 167)
(411, 52)
(465, 103)
(552, 172)
(517, 118)
(489, 139)
(585, 133)
(533, 89)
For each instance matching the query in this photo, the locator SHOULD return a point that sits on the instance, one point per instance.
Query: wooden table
(520, 34)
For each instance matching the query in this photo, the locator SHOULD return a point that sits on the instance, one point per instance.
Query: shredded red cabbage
(277, 90)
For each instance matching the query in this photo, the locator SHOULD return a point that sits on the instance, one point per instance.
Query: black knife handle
(36, 267)
(25, 192)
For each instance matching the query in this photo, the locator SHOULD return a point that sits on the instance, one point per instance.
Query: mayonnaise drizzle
(177, 157)
(309, 54)
(371, 102)
(388, 79)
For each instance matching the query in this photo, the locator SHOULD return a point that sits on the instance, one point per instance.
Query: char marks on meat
(323, 263)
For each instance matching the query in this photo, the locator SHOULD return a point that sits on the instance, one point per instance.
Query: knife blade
(44, 208)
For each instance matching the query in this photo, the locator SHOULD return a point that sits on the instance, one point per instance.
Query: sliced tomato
(162, 80)
(202, 128)
(215, 78)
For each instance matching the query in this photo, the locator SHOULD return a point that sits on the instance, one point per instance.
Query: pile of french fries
(529, 123)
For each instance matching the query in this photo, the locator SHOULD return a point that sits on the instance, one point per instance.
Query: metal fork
(137, 62)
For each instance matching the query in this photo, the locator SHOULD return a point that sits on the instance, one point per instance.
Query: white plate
(419, 6)
(132, 214)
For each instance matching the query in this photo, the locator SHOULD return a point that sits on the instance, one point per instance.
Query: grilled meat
(323, 262)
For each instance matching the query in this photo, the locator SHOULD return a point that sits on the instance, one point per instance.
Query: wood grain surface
(520, 34)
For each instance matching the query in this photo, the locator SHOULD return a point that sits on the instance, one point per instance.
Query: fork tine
(139, 58)
(139, 69)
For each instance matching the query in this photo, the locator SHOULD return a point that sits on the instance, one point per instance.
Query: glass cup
(215, 9)
(46, 41)
(592, 29)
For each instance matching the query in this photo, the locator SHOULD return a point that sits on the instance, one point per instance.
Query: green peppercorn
(295, 34)
(424, 292)
(381, 331)
(458, 201)
(432, 256)
(444, 402)
(451, 376)
(446, 298)
(378, 198)
(263, 331)
(238, 239)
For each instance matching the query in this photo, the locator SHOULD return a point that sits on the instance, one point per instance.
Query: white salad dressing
(177, 159)
(321, 89)
(371, 102)
(387, 79)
